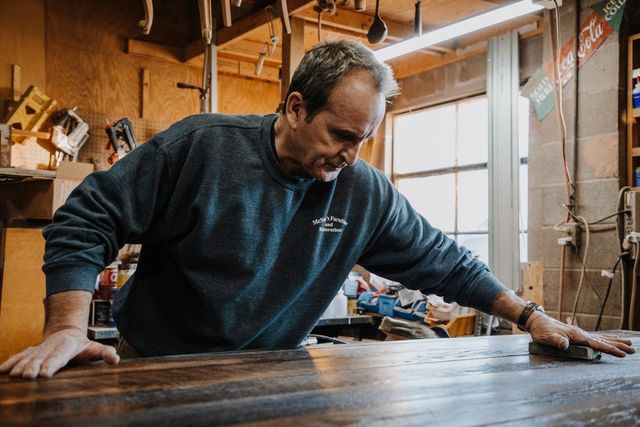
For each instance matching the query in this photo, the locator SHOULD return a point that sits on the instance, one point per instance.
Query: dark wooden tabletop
(458, 381)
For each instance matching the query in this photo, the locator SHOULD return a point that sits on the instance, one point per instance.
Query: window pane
(523, 247)
(524, 196)
(473, 131)
(473, 201)
(478, 244)
(433, 197)
(523, 126)
(424, 140)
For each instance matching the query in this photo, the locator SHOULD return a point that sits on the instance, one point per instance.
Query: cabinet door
(23, 289)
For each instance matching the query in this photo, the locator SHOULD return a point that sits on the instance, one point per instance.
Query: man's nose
(350, 155)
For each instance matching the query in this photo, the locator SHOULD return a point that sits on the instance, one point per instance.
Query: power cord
(606, 296)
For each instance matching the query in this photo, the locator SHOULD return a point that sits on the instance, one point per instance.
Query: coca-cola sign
(593, 32)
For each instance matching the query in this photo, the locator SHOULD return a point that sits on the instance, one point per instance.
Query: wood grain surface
(462, 381)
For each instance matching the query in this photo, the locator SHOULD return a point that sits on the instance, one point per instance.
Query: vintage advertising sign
(611, 11)
(541, 92)
(566, 63)
(593, 32)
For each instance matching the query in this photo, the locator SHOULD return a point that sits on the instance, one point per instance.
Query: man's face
(332, 139)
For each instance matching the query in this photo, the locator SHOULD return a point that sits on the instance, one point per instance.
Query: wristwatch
(527, 311)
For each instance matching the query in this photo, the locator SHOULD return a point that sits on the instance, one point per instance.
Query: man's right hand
(55, 351)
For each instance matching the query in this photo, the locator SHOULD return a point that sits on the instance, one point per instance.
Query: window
(440, 165)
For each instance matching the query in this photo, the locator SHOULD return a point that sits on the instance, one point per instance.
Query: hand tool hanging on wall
(270, 46)
(145, 24)
(207, 25)
(378, 30)
(417, 19)
(121, 139)
(68, 133)
(324, 6)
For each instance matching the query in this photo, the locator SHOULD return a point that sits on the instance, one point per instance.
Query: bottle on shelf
(636, 88)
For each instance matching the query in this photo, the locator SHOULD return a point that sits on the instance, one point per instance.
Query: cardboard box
(38, 198)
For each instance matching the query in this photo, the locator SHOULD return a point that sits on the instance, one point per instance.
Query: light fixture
(457, 29)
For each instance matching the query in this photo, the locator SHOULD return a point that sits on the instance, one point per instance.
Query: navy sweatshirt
(236, 253)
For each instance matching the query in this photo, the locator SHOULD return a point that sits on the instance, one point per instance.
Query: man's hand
(547, 330)
(55, 352)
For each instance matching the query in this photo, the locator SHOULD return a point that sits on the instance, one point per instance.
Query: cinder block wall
(593, 142)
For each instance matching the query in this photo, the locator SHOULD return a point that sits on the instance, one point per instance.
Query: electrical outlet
(632, 205)
(571, 234)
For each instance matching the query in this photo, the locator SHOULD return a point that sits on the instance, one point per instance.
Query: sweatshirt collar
(270, 160)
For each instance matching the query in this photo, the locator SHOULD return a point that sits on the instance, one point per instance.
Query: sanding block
(573, 352)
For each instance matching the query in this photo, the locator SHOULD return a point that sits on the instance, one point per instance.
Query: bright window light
(457, 29)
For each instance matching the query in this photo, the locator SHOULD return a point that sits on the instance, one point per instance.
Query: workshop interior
(516, 132)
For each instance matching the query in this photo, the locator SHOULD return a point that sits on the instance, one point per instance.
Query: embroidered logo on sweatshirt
(330, 224)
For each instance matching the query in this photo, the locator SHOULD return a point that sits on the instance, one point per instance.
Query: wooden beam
(292, 53)
(239, 30)
(251, 49)
(235, 68)
(154, 51)
(270, 62)
(144, 92)
(16, 82)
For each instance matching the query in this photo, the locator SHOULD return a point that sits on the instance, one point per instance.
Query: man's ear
(295, 111)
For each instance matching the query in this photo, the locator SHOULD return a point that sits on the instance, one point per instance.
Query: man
(250, 224)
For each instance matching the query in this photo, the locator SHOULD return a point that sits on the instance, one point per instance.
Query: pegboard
(94, 150)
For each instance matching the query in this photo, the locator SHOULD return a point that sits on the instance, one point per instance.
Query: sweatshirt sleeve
(407, 249)
(107, 210)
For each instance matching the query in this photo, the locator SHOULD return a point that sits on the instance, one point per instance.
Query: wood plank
(144, 92)
(407, 382)
(22, 289)
(16, 82)
(292, 53)
(23, 43)
(155, 51)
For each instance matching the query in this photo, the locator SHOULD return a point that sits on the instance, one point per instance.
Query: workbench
(457, 381)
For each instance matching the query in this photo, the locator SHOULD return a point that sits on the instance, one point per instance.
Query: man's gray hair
(326, 64)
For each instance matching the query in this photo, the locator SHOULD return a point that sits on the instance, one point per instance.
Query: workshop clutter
(108, 282)
(391, 299)
(345, 303)
(36, 136)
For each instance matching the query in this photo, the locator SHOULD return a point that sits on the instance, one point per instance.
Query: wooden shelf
(635, 112)
(635, 152)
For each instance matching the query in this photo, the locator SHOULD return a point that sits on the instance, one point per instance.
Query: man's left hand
(547, 330)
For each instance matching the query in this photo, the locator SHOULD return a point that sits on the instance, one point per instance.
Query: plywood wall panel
(92, 25)
(22, 41)
(247, 96)
(23, 290)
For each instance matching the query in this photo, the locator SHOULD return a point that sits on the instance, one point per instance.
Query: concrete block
(536, 169)
(553, 198)
(552, 171)
(421, 89)
(590, 296)
(597, 199)
(601, 71)
(603, 250)
(598, 157)
(535, 246)
(550, 131)
(598, 114)
(535, 208)
(469, 75)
